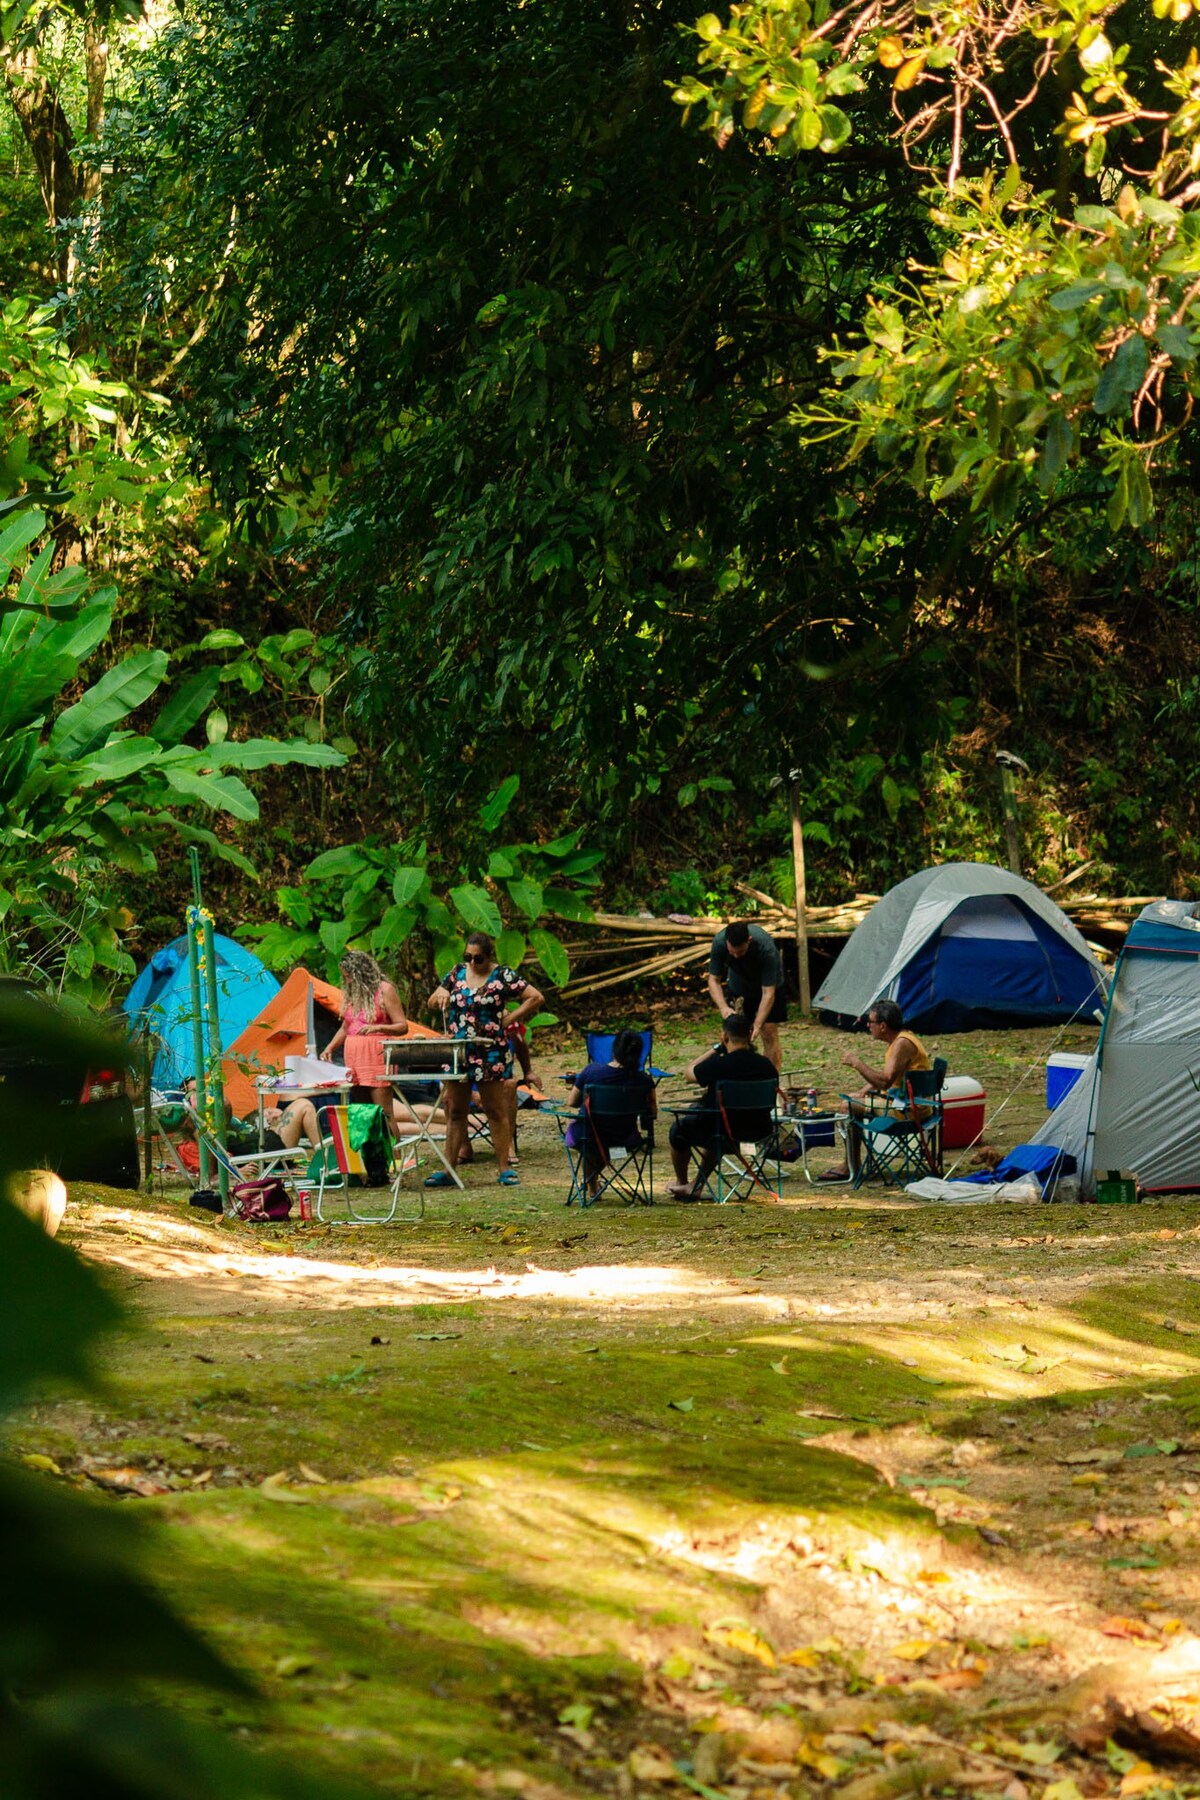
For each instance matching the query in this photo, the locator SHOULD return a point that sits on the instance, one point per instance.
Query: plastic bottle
(810, 1101)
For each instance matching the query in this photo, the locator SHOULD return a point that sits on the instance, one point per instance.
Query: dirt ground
(841, 1496)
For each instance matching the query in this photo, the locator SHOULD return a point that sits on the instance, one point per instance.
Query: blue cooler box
(1062, 1072)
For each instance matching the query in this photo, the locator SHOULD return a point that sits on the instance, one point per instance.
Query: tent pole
(198, 1036)
(216, 1085)
(801, 895)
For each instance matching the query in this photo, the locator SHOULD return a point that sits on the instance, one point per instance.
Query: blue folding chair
(901, 1138)
(628, 1169)
(600, 1049)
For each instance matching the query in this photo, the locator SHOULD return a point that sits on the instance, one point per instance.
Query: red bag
(259, 1201)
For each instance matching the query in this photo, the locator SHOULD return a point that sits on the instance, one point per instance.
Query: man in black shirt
(745, 971)
(700, 1127)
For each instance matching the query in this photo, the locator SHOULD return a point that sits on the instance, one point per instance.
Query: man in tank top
(904, 1054)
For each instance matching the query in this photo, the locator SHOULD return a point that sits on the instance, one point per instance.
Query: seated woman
(620, 1129)
(283, 1127)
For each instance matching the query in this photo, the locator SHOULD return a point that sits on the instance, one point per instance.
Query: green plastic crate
(1115, 1189)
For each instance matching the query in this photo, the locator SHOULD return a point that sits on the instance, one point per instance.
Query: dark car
(62, 1089)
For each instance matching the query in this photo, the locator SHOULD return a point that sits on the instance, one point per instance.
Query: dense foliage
(502, 420)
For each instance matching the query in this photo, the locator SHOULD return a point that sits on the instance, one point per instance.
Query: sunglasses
(477, 959)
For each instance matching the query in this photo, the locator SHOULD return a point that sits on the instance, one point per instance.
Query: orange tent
(280, 1030)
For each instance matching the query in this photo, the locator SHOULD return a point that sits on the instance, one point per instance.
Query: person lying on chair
(904, 1054)
(733, 1059)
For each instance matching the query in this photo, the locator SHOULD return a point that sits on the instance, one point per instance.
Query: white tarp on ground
(976, 1192)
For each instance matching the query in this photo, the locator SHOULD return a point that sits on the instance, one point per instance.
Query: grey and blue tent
(1136, 1105)
(960, 947)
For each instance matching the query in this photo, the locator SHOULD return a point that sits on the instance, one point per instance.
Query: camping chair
(897, 1150)
(628, 1171)
(339, 1162)
(600, 1049)
(733, 1168)
(285, 1166)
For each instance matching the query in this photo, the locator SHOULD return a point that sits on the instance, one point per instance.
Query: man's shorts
(696, 1129)
(750, 1000)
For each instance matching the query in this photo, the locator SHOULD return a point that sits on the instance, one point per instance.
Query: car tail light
(102, 1084)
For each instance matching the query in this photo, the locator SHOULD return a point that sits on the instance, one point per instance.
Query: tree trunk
(47, 131)
(95, 56)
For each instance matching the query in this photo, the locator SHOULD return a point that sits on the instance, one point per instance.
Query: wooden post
(801, 895)
(1009, 764)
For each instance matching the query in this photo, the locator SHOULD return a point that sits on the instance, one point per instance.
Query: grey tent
(962, 946)
(1136, 1104)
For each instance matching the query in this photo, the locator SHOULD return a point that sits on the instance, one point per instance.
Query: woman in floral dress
(473, 998)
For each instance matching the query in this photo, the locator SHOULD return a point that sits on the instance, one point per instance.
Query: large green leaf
(476, 906)
(551, 953)
(565, 904)
(498, 802)
(344, 860)
(511, 947)
(17, 536)
(270, 753)
(186, 706)
(115, 761)
(407, 883)
(526, 895)
(112, 699)
(224, 793)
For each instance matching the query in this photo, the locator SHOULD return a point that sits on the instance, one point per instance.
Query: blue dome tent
(961, 947)
(160, 1001)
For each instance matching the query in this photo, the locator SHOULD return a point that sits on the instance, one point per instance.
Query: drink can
(304, 1203)
(810, 1100)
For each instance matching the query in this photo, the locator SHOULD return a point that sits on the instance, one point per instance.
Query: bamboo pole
(801, 898)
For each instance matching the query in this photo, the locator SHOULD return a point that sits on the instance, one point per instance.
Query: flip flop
(835, 1175)
(439, 1180)
(508, 1178)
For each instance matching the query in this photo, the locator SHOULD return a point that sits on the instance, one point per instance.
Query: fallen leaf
(578, 1713)
(1143, 1778)
(310, 1474)
(290, 1666)
(742, 1638)
(1062, 1790)
(1105, 1457)
(381, 1340)
(45, 1465)
(1040, 1755)
(1094, 1478)
(202, 1479)
(933, 1577)
(649, 1762)
(1120, 1627)
(681, 1405)
(206, 1440)
(436, 1337)
(275, 1488)
(677, 1666)
(802, 1659)
(125, 1481)
(953, 1681)
(916, 1649)
(780, 1367)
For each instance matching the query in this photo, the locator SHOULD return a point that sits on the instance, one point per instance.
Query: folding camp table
(412, 1063)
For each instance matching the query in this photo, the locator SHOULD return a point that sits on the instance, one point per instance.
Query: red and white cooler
(964, 1108)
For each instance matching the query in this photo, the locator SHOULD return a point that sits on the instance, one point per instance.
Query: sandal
(508, 1178)
(439, 1179)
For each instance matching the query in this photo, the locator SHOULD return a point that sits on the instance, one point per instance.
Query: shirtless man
(904, 1054)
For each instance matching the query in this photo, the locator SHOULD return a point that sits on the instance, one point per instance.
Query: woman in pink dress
(371, 1011)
